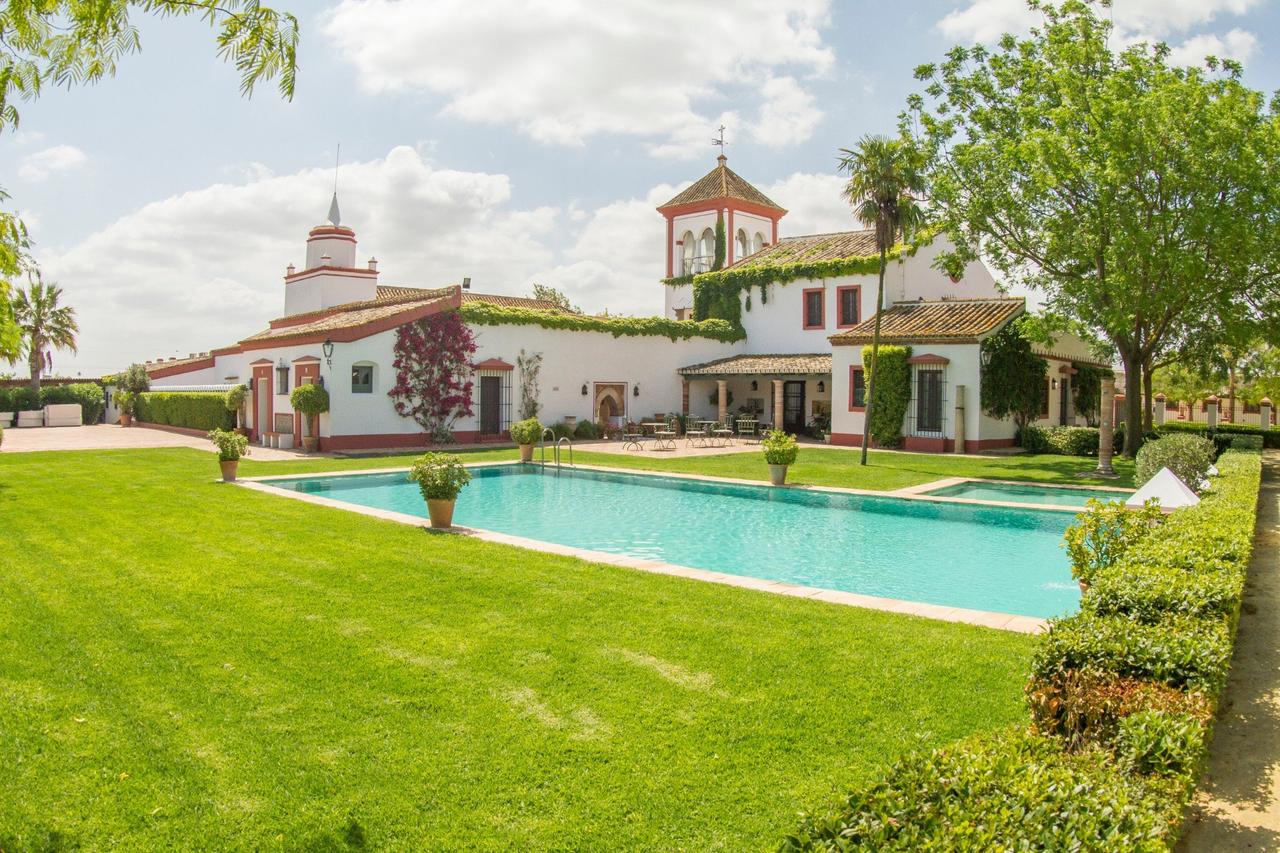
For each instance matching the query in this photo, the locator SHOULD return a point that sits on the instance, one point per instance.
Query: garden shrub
(231, 445)
(586, 430)
(1157, 742)
(780, 448)
(20, 399)
(89, 395)
(203, 410)
(1246, 442)
(891, 392)
(440, 476)
(1033, 439)
(1086, 708)
(1180, 651)
(562, 430)
(1147, 593)
(527, 431)
(1074, 440)
(1270, 436)
(1187, 456)
(1103, 533)
(1011, 791)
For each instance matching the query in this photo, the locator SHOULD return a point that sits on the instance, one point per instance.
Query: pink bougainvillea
(433, 373)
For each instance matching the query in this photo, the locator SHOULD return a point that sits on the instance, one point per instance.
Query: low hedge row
(1063, 440)
(1270, 437)
(1121, 698)
(89, 395)
(203, 410)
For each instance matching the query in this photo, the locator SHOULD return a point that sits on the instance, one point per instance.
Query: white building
(803, 305)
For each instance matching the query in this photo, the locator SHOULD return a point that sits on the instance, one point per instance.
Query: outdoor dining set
(662, 433)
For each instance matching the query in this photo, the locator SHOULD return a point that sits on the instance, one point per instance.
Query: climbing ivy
(1087, 390)
(891, 393)
(487, 314)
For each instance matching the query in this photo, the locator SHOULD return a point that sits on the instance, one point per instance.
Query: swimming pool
(1025, 493)
(958, 555)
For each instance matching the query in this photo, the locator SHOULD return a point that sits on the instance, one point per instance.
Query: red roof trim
(261, 361)
(306, 359)
(347, 334)
(493, 364)
(160, 372)
(713, 204)
(928, 358)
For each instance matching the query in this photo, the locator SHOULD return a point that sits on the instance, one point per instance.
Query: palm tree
(886, 181)
(45, 326)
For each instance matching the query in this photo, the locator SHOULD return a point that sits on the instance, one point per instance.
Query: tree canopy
(1139, 197)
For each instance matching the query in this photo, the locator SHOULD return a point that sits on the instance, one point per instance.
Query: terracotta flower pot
(228, 467)
(778, 474)
(310, 443)
(526, 453)
(126, 419)
(441, 512)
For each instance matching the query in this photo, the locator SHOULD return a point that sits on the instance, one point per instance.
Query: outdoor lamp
(822, 387)
(984, 356)
(1055, 384)
(584, 389)
(755, 386)
(327, 349)
(635, 390)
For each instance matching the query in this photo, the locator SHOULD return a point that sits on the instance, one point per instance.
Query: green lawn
(817, 466)
(188, 664)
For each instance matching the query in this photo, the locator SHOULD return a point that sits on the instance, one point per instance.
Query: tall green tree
(74, 42)
(45, 326)
(885, 188)
(547, 293)
(1139, 197)
(1014, 379)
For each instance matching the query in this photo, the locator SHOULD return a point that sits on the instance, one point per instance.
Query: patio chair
(696, 434)
(632, 437)
(747, 429)
(723, 433)
(665, 438)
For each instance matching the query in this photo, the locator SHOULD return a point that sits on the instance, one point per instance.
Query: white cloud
(1135, 20)
(47, 162)
(1236, 44)
(566, 70)
(203, 269)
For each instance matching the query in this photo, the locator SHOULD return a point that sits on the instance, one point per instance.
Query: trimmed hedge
(1121, 696)
(20, 399)
(1270, 437)
(1010, 791)
(1187, 456)
(203, 410)
(1062, 440)
(90, 397)
(891, 392)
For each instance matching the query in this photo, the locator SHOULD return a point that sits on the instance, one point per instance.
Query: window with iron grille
(927, 414)
(491, 391)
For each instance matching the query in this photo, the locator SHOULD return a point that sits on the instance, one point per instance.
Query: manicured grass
(185, 664)
(816, 466)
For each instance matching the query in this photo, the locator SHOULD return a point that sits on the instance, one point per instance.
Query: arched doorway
(610, 405)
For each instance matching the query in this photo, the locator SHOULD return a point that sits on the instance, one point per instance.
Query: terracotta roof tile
(387, 293)
(814, 247)
(354, 315)
(721, 182)
(800, 364)
(942, 321)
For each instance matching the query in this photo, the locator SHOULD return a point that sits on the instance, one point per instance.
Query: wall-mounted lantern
(327, 349)
(822, 387)
(984, 356)
(1054, 384)
(635, 390)
(584, 389)
(755, 386)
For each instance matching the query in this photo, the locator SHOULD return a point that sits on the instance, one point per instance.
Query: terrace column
(1106, 434)
(959, 430)
(777, 404)
(1264, 413)
(722, 390)
(684, 396)
(1158, 413)
(1211, 411)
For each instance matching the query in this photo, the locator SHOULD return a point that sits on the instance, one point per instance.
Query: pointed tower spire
(335, 218)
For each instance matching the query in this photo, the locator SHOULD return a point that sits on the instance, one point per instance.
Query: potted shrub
(231, 446)
(780, 449)
(440, 476)
(125, 402)
(234, 401)
(526, 433)
(311, 401)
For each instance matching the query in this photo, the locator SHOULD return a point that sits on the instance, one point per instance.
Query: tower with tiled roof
(750, 220)
(331, 276)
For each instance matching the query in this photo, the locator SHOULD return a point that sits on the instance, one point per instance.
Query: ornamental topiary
(527, 431)
(309, 399)
(780, 448)
(440, 476)
(1187, 456)
(891, 393)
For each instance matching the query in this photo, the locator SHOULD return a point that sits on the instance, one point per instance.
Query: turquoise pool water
(984, 558)
(1028, 494)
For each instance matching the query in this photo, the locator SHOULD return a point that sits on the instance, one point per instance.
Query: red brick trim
(354, 272)
(179, 369)
(856, 288)
(711, 205)
(928, 358)
(804, 308)
(306, 358)
(493, 364)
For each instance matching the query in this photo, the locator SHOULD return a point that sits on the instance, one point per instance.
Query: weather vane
(720, 139)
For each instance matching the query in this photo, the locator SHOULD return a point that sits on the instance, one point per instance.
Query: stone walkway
(113, 437)
(1238, 805)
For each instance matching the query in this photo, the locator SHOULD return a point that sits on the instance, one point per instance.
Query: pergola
(774, 368)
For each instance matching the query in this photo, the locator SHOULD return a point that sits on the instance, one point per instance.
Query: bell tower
(331, 276)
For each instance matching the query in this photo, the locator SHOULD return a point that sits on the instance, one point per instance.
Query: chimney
(290, 270)
(373, 264)
(466, 283)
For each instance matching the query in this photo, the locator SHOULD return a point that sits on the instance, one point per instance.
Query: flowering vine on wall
(433, 373)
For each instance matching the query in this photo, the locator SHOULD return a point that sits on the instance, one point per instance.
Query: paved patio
(113, 437)
(1238, 805)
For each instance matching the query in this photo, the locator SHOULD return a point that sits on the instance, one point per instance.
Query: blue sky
(509, 141)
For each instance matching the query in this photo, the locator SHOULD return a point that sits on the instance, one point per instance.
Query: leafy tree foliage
(1141, 198)
(44, 325)
(547, 293)
(433, 373)
(1013, 382)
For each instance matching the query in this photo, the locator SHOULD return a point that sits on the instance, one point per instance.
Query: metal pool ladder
(555, 449)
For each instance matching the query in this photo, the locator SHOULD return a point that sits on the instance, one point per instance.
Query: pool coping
(942, 612)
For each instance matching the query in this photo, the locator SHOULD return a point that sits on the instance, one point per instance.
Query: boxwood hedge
(1121, 694)
(202, 410)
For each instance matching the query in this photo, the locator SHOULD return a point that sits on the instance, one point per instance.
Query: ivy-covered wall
(487, 314)
(891, 393)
